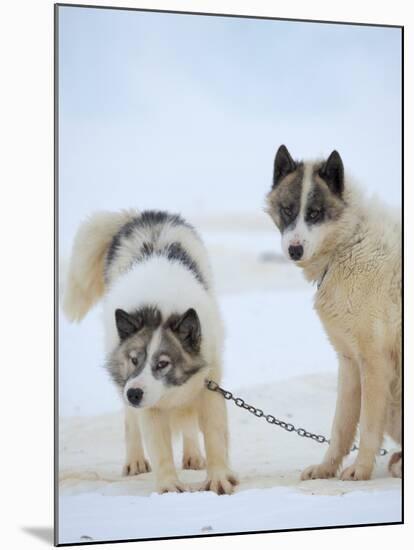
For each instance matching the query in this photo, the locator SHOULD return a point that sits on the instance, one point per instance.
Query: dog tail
(85, 280)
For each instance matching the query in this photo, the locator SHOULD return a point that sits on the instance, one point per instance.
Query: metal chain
(213, 386)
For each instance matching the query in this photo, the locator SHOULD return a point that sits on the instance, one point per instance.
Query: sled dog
(163, 336)
(351, 248)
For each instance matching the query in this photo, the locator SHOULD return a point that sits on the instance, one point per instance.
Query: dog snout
(296, 252)
(134, 396)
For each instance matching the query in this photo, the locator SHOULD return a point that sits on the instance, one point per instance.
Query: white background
(186, 112)
(27, 206)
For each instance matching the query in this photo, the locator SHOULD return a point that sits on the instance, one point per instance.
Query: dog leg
(158, 439)
(213, 417)
(192, 457)
(135, 463)
(347, 412)
(394, 421)
(394, 429)
(374, 390)
(395, 464)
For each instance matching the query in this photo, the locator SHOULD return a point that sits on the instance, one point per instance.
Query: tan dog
(163, 336)
(352, 249)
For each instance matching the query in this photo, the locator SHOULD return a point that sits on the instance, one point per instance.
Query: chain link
(213, 386)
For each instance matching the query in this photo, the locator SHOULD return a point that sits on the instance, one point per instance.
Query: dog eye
(286, 211)
(313, 214)
(162, 365)
(134, 360)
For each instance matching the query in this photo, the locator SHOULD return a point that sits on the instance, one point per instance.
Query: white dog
(164, 337)
(352, 249)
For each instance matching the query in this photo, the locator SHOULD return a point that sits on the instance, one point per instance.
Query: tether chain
(213, 386)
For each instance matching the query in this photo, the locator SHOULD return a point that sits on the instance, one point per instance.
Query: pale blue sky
(185, 112)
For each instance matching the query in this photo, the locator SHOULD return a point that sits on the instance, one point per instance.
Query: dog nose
(134, 396)
(296, 252)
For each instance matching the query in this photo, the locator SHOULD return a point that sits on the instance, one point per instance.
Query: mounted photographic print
(229, 256)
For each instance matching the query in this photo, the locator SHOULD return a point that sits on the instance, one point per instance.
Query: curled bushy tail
(85, 280)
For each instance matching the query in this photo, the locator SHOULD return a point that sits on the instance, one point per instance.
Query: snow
(143, 124)
(277, 357)
(125, 517)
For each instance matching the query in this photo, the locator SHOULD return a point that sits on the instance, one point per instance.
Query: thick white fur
(359, 304)
(172, 289)
(85, 281)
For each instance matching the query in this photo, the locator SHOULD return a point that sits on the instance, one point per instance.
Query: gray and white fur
(163, 336)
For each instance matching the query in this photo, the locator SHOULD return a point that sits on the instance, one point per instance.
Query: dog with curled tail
(163, 335)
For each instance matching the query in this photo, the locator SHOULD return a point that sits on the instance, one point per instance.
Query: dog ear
(283, 165)
(127, 324)
(332, 172)
(188, 330)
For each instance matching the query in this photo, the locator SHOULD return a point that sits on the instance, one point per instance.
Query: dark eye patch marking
(283, 201)
(321, 199)
(288, 214)
(314, 215)
(163, 363)
(137, 356)
(118, 363)
(315, 206)
(183, 364)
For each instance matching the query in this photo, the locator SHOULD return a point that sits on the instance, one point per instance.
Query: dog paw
(135, 467)
(193, 462)
(319, 471)
(172, 486)
(357, 472)
(395, 464)
(222, 483)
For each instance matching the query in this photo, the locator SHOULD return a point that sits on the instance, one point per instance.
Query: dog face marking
(153, 356)
(305, 198)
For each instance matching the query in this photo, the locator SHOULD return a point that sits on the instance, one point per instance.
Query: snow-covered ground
(277, 358)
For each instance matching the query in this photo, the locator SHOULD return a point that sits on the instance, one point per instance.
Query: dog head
(154, 355)
(305, 201)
